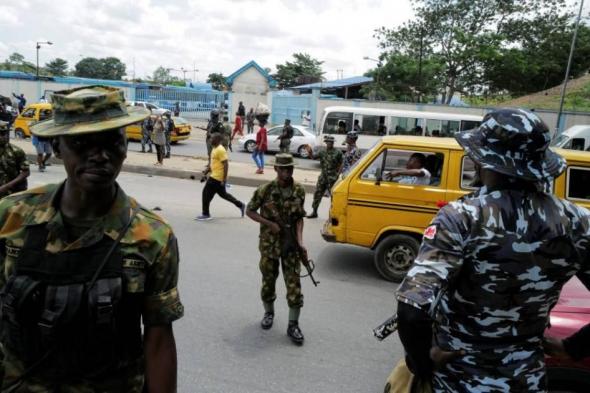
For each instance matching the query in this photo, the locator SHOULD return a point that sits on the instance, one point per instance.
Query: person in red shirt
(237, 127)
(261, 146)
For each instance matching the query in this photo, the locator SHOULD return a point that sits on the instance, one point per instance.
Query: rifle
(289, 244)
(382, 331)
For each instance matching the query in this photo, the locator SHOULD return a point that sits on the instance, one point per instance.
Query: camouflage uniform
(12, 162)
(150, 269)
(212, 128)
(492, 264)
(285, 138)
(350, 158)
(275, 206)
(330, 161)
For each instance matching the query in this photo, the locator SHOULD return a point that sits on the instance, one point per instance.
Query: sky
(211, 36)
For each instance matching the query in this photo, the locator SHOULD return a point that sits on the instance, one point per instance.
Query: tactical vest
(53, 321)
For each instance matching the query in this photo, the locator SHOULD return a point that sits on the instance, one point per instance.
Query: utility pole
(39, 47)
(567, 70)
(420, 66)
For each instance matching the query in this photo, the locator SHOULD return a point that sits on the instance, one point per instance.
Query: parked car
(156, 110)
(369, 210)
(576, 138)
(568, 316)
(302, 137)
(32, 114)
(181, 132)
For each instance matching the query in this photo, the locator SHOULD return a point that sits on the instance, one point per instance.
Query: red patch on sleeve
(430, 232)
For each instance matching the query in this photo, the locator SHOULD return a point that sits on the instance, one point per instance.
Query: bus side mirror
(378, 176)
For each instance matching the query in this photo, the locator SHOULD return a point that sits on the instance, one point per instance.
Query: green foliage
(57, 67)
(217, 81)
(482, 44)
(106, 68)
(305, 69)
(17, 62)
(161, 75)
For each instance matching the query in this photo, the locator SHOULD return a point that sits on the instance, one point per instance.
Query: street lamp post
(376, 79)
(39, 47)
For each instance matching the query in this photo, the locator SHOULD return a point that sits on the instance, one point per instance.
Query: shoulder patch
(430, 232)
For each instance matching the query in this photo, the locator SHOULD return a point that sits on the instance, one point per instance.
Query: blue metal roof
(230, 79)
(338, 83)
(16, 75)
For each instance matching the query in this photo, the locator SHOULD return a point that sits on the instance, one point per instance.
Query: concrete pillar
(315, 116)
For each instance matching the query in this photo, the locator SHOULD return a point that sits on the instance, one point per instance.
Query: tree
(57, 67)
(217, 81)
(468, 35)
(17, 62)
(107, 68)
(161, 75)
(304, 69)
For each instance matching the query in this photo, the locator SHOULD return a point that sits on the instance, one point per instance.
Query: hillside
(577, 97)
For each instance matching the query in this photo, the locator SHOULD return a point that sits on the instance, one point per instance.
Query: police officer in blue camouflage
(473, 307)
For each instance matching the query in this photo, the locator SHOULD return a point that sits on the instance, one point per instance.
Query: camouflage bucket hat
(514, 142)
(86, 110)
(329, 138)
(284, 159)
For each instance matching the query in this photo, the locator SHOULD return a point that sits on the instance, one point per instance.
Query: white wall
(251, 82)
(33, 90)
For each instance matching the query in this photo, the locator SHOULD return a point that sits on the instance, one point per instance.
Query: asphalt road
(195, 146)
(221, 347)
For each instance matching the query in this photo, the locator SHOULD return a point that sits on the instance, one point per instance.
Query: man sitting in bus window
(357, 127)
(415, 173)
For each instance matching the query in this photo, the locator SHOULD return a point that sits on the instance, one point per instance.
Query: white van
(375, 123)
(574, 138)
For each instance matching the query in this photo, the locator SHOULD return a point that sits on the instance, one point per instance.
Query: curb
(179, 174)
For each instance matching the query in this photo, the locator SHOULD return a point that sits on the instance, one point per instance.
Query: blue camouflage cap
(514, 142)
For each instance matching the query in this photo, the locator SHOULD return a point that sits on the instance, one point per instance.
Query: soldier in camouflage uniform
(352, 154)
(83, 264)
(14, 167)
(473, 307)
(281, 239)
(285, 137)
(330, 162)
(215, 126)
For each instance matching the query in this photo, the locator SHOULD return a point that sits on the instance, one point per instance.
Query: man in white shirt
(415, 173)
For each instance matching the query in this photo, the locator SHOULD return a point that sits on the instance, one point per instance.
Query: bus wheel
(19, 133)
(394, 255)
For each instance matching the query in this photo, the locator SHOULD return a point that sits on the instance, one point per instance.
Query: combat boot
(313, 214)
(267, 320)
(294, 333)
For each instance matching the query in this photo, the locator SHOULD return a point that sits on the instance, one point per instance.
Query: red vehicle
(571, 313)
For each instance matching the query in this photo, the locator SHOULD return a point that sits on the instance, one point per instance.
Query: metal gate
(194, 104)
(290, 107)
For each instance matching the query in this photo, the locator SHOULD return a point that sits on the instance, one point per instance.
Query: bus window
(449, 127)
(404, 126)
(432, 127)
(333, 119)
(370, 124)
(469, 124)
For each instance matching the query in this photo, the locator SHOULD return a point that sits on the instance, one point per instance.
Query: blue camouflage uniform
(492, 264)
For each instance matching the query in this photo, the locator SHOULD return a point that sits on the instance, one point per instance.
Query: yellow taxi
(30, 115)
(182, 130)
(370, 210)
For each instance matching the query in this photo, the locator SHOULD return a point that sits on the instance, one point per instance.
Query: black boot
(313, 214)
(294, 333)
(267, 320)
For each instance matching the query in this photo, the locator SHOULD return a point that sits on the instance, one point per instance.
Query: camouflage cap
(329, 138)
(514, 142)
(4, 126)
(284, 159)
(86, 110)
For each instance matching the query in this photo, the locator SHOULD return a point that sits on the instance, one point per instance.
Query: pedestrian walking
(352, 154)
(473, 308)
(176, 109)
(159, 139)
(330, 163)
(285, 137)
(281, 210)
(261, 147)
(147, 126)
(238, 128)
(14, 167)
(216, 183)
(83, 265)
(306, 119)
(242, 115)
(44, 151)
(250, 121)
(22, 102)
(169, 128)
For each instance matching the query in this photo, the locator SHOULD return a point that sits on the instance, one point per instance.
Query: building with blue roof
(346, 88)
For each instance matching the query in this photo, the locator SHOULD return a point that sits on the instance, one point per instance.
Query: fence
(193, 104)
(290, 107)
